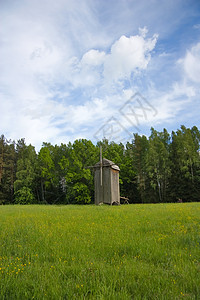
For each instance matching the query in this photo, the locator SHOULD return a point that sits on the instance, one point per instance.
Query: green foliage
(7, 170)
(81, 193)
(158, 162)
(24, 196)
(79, 179)
(26, 174)
(140, 148)
(161, 168)
(184, 182)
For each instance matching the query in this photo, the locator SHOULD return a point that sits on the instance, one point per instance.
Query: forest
(164, 167)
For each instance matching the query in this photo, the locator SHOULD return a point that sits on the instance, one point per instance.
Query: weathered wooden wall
(109, 191)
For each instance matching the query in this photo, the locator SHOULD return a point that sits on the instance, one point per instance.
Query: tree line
(161, 168)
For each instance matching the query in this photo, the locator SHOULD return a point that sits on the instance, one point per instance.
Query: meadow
(146, 251)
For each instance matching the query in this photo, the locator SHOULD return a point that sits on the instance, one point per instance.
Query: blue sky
(93, 69)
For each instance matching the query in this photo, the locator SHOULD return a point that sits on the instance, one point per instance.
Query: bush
(79, 193)
(24, 196)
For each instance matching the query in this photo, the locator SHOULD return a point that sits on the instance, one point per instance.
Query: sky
(97, 69)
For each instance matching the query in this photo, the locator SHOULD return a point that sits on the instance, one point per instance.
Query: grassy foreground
(89, 252)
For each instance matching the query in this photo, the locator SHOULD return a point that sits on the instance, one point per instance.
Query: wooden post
(101, 167)
(101, 177)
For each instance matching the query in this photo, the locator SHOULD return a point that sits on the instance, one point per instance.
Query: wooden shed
(106, 177)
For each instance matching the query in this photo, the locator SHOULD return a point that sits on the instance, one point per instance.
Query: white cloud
(170, 104)
(128, 55)
(93, 58)
(191, 63)
(64, 65)
(143, 31)
(159, 107)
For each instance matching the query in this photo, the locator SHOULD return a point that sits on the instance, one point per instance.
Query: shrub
(24, 196)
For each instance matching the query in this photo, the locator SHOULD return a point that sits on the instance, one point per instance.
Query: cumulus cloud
(127, 55)
(93, 58)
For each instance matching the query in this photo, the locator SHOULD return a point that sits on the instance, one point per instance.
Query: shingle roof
(107, 163)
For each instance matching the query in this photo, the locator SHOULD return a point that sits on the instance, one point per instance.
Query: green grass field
(90, 252)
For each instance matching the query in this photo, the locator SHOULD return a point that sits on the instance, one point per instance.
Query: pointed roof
(107, 163)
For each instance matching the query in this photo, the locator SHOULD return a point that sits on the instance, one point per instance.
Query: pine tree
(24, 185)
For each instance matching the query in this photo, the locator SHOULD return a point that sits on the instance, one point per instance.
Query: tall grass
(90, 252)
